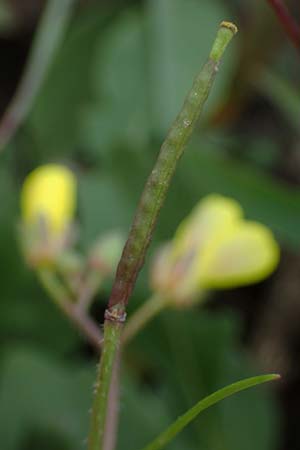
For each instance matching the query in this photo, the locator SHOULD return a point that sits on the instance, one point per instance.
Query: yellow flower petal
(49, 193)
(173, 281)
(245, 253)
(174, 271)
(207, 220)
(214, 247)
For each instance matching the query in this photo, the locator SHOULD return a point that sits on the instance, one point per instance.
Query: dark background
(116, 83)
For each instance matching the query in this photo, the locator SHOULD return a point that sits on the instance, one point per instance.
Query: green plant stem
(112, 333)
(77, 316)
(143, 224)
(159, 180)
(46, 41)
(164, 438)
(112, 417)
(149, 309)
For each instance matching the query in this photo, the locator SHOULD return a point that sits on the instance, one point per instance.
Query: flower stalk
(149, 309)
(77, 316)
(144, 221)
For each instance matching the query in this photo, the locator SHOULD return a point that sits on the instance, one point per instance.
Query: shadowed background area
(117, 81)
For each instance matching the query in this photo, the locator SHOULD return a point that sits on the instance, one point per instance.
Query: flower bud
(106, 252)
(49, 196)
(48, 201)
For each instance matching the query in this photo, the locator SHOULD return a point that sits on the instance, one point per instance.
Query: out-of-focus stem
(144, 314)
(88, 289)
(77, 316)
(291, 27)
(46, 41)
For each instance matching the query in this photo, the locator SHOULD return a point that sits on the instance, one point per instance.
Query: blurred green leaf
(36, 394)
(264, 199)
(142, 412)
(56, 116)
(47, 39)
(180, 33)
(283, 94)
(119, 80)
(143, 67)
(103, 205)
(188, 356)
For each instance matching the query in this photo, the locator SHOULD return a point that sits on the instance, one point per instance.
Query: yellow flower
(49, 196)
(214, 248)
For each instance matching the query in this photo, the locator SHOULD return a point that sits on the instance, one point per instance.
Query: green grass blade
(166, 436)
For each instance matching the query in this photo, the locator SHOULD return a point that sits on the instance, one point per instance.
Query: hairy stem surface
(112, 333)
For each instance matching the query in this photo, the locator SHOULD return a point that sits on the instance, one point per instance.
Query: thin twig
(48, 37)
(291, 27)
(85, 325)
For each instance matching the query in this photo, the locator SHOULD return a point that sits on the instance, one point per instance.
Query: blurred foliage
(6, 16)
(116, 84)
(187, 357)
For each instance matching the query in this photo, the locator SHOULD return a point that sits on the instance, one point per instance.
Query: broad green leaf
(169, 434)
